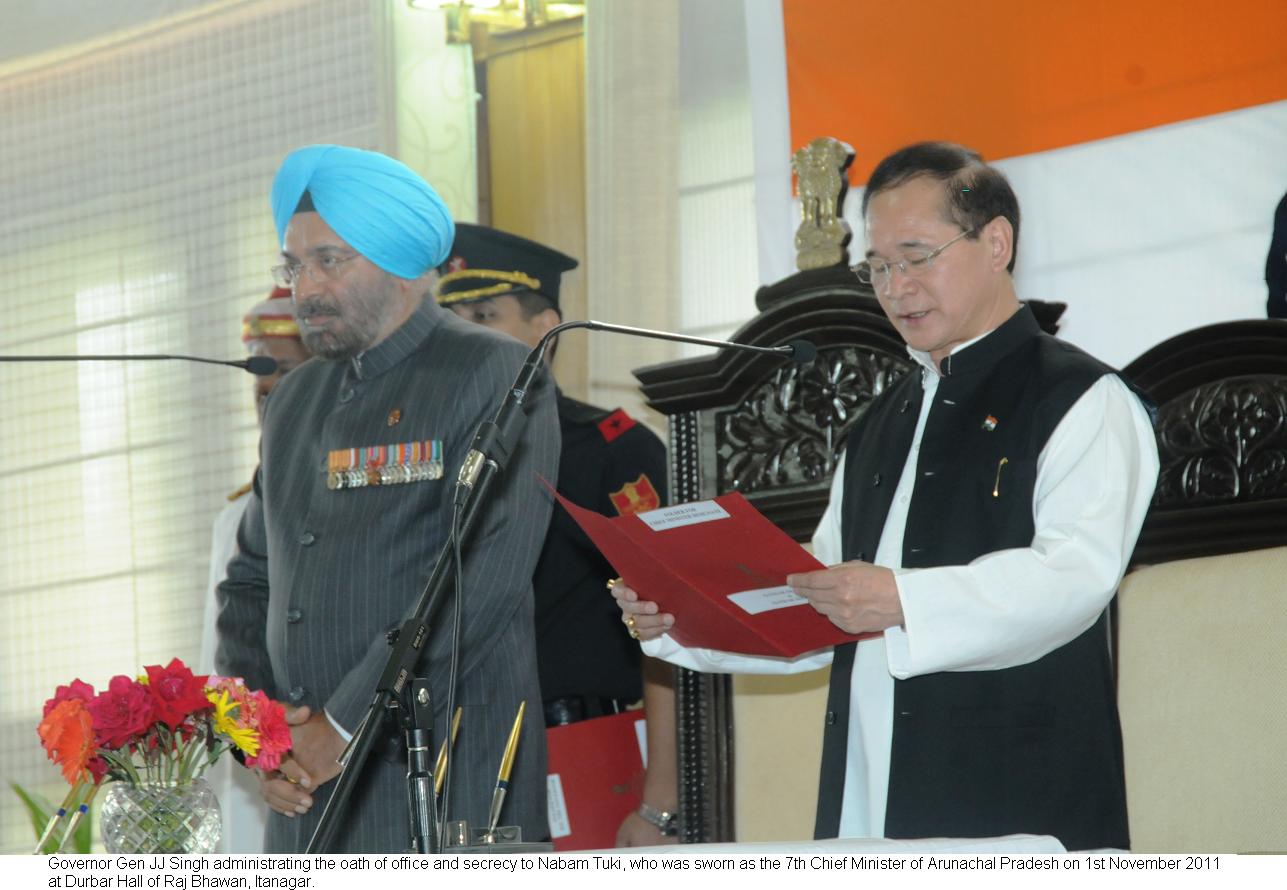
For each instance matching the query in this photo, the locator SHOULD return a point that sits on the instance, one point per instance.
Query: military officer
(352, 502)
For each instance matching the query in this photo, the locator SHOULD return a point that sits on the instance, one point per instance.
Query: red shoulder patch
(615, 424)
(635, 497)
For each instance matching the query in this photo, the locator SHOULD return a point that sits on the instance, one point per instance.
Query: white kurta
(1095, 478)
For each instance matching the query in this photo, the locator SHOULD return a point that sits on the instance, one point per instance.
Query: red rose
(123, 713)
(176, 693)
(77, 690)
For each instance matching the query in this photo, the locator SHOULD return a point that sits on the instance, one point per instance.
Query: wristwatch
(663, 820)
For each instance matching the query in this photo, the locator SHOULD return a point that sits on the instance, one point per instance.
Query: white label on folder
(766, 599)
(683, 514)
(556, 806)
(641, 736)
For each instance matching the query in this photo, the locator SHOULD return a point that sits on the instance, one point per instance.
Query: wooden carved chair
(1202, 622)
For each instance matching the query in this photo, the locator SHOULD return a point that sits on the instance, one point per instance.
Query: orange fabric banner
(1012, 77)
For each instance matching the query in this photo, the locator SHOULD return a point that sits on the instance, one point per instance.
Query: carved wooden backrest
(1221, 393)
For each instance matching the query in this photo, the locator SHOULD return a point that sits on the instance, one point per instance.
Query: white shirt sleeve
(826, 547)
(344, 733)
(713, 661)
(1095, 478)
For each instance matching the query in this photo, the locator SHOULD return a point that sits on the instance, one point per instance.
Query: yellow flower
(225, 722)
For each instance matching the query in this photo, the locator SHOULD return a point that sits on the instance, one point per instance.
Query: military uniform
(588, 664)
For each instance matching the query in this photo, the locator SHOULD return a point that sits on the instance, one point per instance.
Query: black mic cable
(492, 442)
(259, 365)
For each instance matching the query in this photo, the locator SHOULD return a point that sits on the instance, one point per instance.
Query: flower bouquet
(155, 736)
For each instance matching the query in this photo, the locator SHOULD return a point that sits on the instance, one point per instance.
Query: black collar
(1013, 332)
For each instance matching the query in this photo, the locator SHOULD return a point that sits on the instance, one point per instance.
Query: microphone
(259, 365)
(497, 438)
(803, 351)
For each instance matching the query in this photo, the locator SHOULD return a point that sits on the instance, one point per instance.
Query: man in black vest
(980, 520)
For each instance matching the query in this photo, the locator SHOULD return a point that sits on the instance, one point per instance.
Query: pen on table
(77, 816)
(440, 768)
(58, 815)
(507, 764)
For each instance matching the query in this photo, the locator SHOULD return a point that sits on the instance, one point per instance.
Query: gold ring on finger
(613, 582)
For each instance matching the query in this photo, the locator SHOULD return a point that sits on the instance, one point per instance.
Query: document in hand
(720, 568)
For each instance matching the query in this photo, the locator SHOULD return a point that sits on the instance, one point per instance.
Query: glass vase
(161, 817)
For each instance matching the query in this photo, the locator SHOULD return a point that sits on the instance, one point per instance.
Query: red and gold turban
(273, 317)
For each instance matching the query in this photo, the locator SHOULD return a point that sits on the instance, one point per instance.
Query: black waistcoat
(1034, 748)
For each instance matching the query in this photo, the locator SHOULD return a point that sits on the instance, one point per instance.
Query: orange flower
(67, 735)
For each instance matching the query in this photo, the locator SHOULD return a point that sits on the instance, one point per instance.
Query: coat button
(831, 718)
(294, 616)
(346, 395)
(902, 409)
(875, 480)
(307, 539)
(296, 694)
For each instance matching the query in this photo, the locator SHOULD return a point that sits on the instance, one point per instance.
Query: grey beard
(337, 346)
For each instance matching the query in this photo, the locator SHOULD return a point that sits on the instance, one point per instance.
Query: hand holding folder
(720, 568)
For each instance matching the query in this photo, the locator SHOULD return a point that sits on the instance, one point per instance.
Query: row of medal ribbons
(384, 464)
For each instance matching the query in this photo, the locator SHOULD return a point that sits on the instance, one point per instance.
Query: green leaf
(39, 810)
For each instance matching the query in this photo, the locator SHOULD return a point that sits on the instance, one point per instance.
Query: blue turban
(383, 209)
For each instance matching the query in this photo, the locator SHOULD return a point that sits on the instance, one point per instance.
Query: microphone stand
(493, 446)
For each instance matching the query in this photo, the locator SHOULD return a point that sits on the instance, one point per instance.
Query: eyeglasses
(325, 267)
(877, 272)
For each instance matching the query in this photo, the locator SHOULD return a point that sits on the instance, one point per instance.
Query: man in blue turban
(325, 196)
(352, 504)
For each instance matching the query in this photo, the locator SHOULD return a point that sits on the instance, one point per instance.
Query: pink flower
(123, 713)
(77, 690)
(269, 718)
(176, 693)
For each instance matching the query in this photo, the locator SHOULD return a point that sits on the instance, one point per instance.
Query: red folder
(690, 567)
(595, 779)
